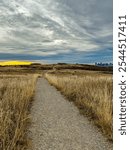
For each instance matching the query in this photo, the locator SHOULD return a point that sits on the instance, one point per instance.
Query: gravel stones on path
(57, 124)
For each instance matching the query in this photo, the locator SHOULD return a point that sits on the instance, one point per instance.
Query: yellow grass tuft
(92, 93)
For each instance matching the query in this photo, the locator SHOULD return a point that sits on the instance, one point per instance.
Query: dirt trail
(57, 124)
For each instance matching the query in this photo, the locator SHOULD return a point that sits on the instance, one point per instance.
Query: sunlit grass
(14, 63)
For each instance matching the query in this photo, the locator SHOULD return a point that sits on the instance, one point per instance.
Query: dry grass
(15, 97)
(91, 92)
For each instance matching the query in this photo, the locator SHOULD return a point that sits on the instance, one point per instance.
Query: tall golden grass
(15, 97)
(92, 93)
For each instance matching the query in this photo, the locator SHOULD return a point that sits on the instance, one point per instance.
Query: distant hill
(33, 66)
(14, 63)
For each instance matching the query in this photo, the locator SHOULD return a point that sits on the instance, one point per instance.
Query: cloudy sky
(51, 31)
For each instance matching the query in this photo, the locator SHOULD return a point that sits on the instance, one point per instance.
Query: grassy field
(16, 92)
(90, 91)
(17, 66)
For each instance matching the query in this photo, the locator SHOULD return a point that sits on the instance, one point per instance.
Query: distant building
(103, 64)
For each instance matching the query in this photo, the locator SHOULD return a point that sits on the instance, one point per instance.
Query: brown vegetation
(60, 66)
(15, 97)
(90, 91)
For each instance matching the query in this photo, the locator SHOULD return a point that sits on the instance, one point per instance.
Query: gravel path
(57, 124)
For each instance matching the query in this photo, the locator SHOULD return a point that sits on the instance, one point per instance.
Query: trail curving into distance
(57, 124)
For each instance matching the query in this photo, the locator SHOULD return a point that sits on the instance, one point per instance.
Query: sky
(53, 31)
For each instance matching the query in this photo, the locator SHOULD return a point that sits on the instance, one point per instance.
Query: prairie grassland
(91, 92)
(15, 97)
